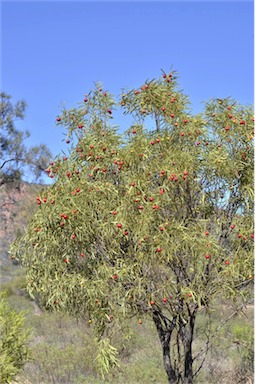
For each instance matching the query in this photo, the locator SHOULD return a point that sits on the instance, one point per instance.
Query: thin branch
(8, 161)
(217, 330)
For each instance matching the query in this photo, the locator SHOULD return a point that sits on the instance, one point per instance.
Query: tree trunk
(165, 333)
(187, 332)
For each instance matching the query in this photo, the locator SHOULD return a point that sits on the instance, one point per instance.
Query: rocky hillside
(16, 207)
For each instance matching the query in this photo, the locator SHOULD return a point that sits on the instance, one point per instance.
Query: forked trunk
(186, 332)
(165, 332)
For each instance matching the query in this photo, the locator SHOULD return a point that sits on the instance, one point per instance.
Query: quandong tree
(150, 223)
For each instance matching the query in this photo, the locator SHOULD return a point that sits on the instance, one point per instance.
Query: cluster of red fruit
(168, 78)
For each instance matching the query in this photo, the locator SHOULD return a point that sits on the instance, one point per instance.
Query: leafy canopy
(145, 219)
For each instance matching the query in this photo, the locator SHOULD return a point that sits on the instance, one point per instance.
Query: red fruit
(161, 229)
(163, 109)
(182, 134)
(52, 163)
(73, 193)
(140, 207)
(242, 122)
(206, 233)
(134, 132)
(227, 128)
(206, 143)
(232, 226)
(162, 173)
(152, 142)
(119, 225)
(198, 143)
(158, 140)
(82, 254)
(239, 235)
(45, 200)
(155, 207)
(207, 256)
(140, 321)
(75, 211)
(64, 158)
(109, 111)
(52, 201)
(152, 302)
(185, 173)
(115, 277)
(185, 121)
(132, 184)
(80, 126)
(172, 115)
(104, 148)
(78, 190)
(162, 191)
(66, 261)
(85, 100)
(58, 119)
(47, 170)
(164, 299)
(77, 171)
(159, 250)
(67, 141)
(227, 262)
(252, 236)
(125, 233)
(73, 236)
(164, 76)
(39, 202)
(68, 174)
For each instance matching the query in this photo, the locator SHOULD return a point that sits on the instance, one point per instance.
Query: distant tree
(14, 352)
(15, 157)
(153, 224)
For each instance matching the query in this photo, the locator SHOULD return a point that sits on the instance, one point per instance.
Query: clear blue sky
(52, 52)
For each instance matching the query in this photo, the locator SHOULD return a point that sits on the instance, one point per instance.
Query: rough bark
(165, 328)
(186, 331)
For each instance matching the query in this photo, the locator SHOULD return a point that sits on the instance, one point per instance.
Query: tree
(15, 156)
(14, 352)
(153, 223)
(16, 160)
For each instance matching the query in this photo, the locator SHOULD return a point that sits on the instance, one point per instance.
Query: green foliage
(14, 352)
(146, 223)
(106, 356)
(15, 156)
